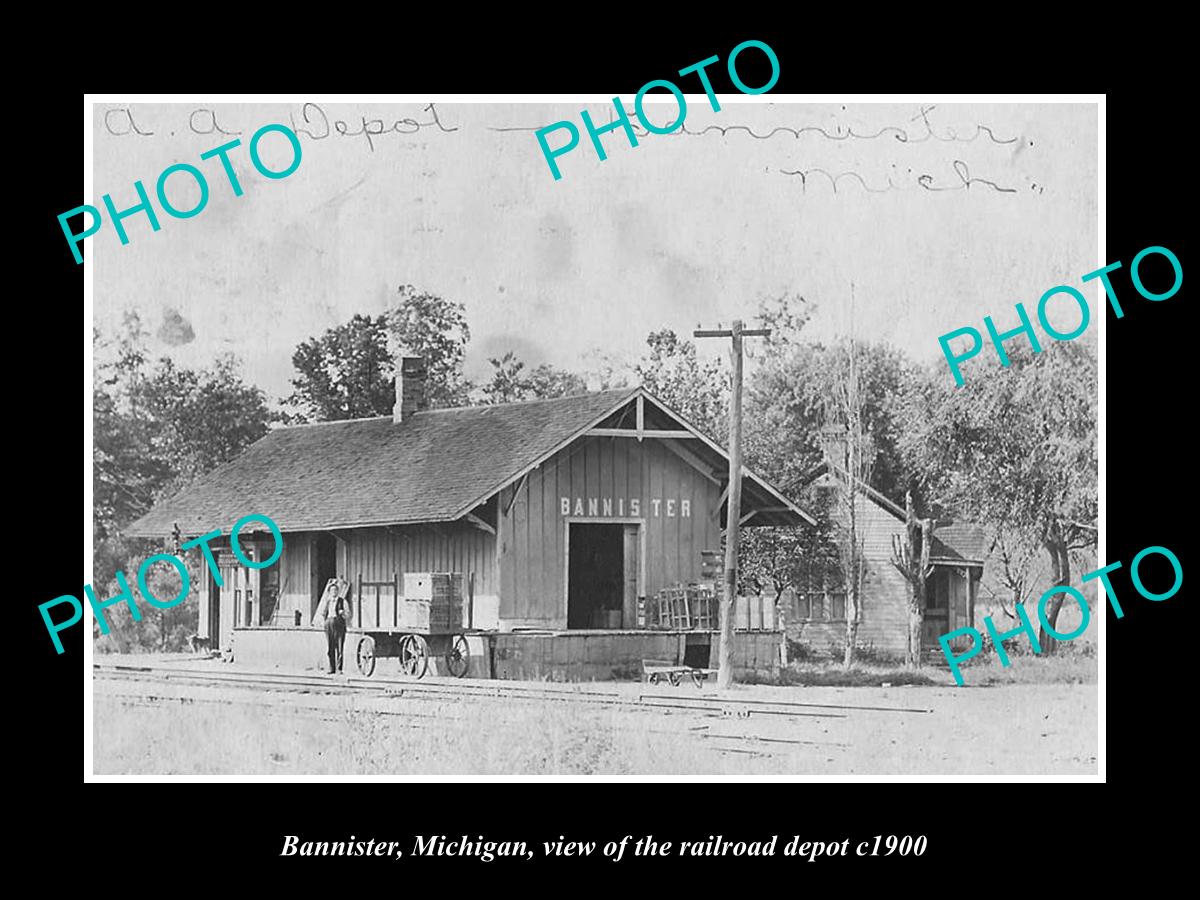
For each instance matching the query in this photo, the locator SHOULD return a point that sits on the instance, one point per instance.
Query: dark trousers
(335, 637)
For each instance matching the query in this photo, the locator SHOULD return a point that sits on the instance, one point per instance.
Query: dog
(201, 642)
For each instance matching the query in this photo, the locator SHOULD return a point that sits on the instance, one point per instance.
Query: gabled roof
(435, 466)
(957, 542)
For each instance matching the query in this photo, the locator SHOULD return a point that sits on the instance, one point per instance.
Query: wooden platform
(583, 655)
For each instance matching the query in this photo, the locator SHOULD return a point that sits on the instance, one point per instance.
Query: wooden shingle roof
(960, 541)
(952, 543)
(433, 467)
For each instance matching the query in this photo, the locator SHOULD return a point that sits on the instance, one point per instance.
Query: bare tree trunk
(851, 626)
(915, 625)
(1060, 567)
(913, 562)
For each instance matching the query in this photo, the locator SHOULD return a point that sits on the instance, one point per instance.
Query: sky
(933, 216)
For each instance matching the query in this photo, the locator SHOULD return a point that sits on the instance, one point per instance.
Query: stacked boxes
(433, 601)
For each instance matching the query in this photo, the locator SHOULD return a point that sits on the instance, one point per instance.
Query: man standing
(333, 612)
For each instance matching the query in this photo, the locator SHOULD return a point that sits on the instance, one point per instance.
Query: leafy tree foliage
(697, 390)
(349, 371)
(157, 427)
(788, 408)
(1016, 447)
(424, 324)
(510, 382)
(346, 373)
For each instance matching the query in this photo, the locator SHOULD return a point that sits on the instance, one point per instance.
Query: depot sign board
(605, 507)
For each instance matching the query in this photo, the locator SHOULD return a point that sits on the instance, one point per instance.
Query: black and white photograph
(505, 436)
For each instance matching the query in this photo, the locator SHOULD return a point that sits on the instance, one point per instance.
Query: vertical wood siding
(599, 477)
(379, 553)
(884, 622)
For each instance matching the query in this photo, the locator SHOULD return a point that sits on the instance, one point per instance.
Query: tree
(346, 373)
(156, 428)
(423, 324)
(547, 382)
(844, 402)
(789, 387)
(910, 556)
(1015, 554)
(786, 410)
(349, 371)
(605, 370)
(204, 417)
(1016, 447)
(508, 383)
(778, 558)
(851, 450)
(698, 391)
(126, 473)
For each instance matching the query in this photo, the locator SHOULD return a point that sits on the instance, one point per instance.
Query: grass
(830, 674)
(1008, 725)
(1026, 668)
(543, 739)
(1061, 668)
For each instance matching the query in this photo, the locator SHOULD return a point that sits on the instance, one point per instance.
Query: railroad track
(745, 743)
(431, 703)
(737, 707)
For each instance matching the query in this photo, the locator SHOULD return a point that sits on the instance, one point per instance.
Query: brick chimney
(410, 388)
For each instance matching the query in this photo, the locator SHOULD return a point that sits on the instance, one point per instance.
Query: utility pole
(733, 510)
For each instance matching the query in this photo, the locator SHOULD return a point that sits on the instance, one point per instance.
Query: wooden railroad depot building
(562, 516)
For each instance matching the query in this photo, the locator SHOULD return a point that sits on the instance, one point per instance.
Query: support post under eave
(479, 523)
(716, 513)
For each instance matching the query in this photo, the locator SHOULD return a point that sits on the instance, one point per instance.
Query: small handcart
(423, 620)
(655, 671)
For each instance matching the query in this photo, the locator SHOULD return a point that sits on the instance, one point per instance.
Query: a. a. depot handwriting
(314, 123)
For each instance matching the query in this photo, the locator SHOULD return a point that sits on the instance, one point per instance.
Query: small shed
(818, 613)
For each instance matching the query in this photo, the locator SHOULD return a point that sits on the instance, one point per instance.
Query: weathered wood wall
(884, 621)
(377, 553)
(602, 479)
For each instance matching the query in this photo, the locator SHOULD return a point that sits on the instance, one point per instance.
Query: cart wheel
(653, 678)
(698, 677)
(676, 678)
(414, 656)
(458, 657)
(366, 656)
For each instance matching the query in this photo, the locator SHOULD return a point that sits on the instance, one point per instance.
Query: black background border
(990, 829)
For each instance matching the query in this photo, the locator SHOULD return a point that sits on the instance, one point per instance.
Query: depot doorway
(601, 575)
(324, 568)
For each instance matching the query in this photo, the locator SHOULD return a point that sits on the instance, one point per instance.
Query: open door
(936, 621)
(595, 569)
(214, 612)
(630, 598)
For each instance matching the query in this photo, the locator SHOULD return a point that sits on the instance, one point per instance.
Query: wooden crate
(432, 602)
(754, 613)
